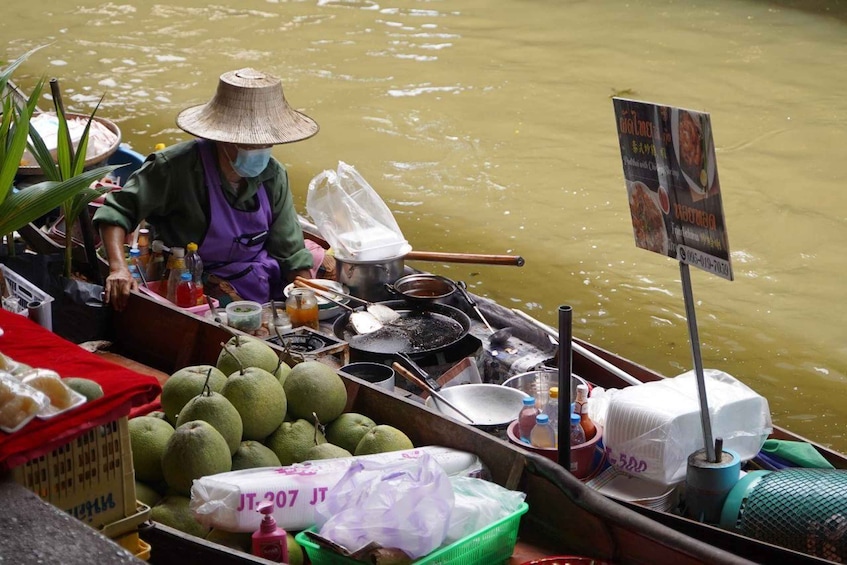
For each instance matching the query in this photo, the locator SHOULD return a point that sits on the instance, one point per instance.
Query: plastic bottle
(133, 264)
(156, 264)
(269, 541)
(176, 266)
(552, 410)
(526, 418)
(582, 409)
(143, 248)
(194, 264)
(542, 434)
(577, 434)
(186, 291)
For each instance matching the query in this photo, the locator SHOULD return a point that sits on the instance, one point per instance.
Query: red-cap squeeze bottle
(270, 541)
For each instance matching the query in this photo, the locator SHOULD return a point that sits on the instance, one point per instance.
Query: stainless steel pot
(367, 279)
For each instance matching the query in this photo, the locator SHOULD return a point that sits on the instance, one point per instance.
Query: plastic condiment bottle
(156, 264)
(176, 266)
(134, 264)
(143, 248)
(194, 264)
(526, 418)
(542, 434)
(582, 409)
(186, 291)
(577, 434)
(552, 409)
(269, 541)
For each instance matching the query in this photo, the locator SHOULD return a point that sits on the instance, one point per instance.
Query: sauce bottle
(577, 434)
(175, 268)
(542, 434)
(527, 418)
(582, 409)
(270, 541)
(186, 291)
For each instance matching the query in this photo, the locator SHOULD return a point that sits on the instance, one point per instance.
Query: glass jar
(302, 308)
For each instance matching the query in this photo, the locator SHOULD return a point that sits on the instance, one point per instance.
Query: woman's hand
(119, 284)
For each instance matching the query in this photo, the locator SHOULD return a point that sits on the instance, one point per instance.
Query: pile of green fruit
(249, 410)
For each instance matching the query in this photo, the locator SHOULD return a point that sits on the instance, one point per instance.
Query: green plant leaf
(43, 156)
(24, 206)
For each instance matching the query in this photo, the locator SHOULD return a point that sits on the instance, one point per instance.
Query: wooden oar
(479, 259)
(311, 231)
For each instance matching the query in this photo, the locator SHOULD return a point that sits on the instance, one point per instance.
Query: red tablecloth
(27, 342)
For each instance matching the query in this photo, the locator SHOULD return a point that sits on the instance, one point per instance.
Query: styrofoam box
(652, 428)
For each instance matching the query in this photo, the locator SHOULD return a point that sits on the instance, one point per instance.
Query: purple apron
(234, 245)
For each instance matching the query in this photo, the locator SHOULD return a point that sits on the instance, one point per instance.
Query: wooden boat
(565, 516)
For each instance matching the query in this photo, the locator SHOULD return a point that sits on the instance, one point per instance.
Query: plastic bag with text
(402, 504)
(352, 217)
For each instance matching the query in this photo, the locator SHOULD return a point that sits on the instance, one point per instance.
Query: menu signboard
(672, 184)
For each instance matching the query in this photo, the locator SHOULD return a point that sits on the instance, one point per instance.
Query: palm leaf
(19, 128)
(22, 207)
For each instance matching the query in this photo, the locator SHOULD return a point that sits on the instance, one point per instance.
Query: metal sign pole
(694, 337)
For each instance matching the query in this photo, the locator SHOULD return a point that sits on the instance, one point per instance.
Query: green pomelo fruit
(381, 439)
(295, 552)
(86, 387)
(195, 450)
(148, 437)
(252, 455)
(218, 411)
(347, 430)
(281, 372)
(260, 400)
(292, 441)
(158, 414)
(312, 386)
(326, 451)
(250, 352)
(173, 511)
(242, 541)
(185, 384)
(147, 494)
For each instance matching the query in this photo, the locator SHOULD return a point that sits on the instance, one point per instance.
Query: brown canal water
(488, 127)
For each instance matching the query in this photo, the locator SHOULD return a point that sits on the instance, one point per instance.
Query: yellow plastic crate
(91, 477)
(135, 545)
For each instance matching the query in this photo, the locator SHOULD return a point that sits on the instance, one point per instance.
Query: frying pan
(419, 331)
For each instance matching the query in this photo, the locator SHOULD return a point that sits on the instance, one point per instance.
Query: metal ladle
(362, 322)
(497, 338)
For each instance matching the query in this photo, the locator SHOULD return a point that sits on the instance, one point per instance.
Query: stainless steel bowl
(537, 384)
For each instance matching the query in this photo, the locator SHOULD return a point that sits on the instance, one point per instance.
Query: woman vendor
(224, 191)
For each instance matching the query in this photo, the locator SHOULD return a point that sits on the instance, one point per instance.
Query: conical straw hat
(249, 107)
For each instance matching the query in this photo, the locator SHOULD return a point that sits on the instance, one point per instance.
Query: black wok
(419, 331)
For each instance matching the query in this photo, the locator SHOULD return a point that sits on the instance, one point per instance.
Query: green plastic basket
(492, 544)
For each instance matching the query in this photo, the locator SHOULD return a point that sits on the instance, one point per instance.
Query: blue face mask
(251, 162)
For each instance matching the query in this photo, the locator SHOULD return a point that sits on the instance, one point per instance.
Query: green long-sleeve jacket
(169, 191)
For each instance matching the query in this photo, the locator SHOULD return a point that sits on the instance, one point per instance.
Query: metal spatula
(381, 312)
(362, 322)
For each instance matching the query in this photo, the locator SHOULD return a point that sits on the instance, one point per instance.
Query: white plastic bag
(652, 428)
(479, 504)
(352, 217)
(228, 501)
(401, 504)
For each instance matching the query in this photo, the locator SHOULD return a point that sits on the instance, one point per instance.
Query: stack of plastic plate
(621, 486)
